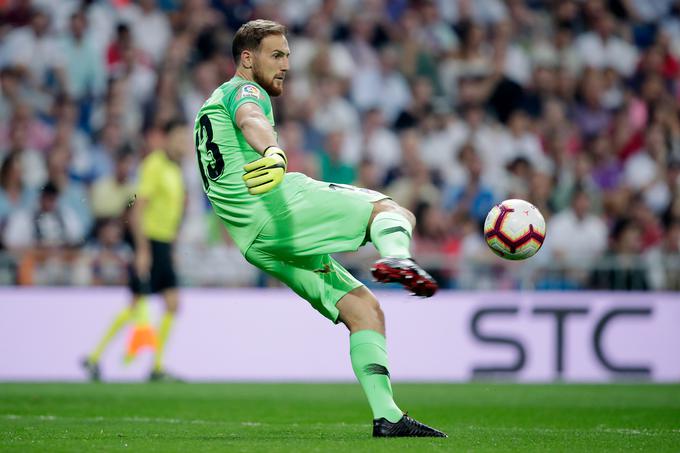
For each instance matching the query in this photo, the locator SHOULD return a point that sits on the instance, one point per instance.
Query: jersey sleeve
(248, 92)
(147, 179)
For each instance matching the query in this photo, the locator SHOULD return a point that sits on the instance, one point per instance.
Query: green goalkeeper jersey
(223, 151)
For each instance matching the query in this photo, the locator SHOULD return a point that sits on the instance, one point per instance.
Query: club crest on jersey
(250, 91)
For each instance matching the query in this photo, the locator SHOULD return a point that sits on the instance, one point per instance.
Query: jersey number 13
(204, 144)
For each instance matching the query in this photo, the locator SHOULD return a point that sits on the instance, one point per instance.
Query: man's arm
(255, 127)
(264, 174)
(142, 246)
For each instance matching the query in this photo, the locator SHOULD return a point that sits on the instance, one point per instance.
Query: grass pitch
(335, 417)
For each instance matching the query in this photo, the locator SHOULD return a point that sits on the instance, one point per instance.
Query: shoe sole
(408, 278)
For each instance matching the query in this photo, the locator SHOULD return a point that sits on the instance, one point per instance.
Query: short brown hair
(250, 35)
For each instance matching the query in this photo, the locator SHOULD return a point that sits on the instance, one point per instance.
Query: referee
(154, 221)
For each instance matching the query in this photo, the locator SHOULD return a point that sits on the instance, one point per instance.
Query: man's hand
(267, 172)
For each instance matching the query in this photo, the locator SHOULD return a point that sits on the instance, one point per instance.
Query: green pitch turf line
(335, 418)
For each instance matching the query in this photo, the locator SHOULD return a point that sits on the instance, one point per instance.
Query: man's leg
(390, 229)
(91, 363)
(361, 313)
(171, 299)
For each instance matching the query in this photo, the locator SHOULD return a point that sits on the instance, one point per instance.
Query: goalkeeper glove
(265, 173)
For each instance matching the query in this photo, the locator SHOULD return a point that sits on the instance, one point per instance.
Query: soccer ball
(514, 229)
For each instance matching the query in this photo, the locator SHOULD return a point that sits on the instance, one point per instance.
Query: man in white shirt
(601, 49)
(49, 226)
(83, 65)
(576, 238)
(150, 28)
(34, 49)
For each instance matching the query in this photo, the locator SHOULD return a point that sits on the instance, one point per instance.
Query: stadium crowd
(448, 106)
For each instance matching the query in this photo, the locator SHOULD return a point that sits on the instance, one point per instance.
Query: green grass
(335, 417)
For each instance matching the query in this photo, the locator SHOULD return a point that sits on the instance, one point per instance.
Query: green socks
(118, 323)
(391, 235)
(369, 361)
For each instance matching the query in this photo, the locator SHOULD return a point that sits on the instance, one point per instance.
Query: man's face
(270, 63)
(581, 205)
(48, 202)
(78, 25)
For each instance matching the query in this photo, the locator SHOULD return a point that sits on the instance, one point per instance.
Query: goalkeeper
(288, 225)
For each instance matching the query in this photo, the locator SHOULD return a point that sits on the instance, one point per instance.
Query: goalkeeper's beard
(268, 85)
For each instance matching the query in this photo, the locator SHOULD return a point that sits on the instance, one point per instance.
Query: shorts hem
(336, 317)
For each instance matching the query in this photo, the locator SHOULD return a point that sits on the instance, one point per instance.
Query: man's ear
(247, 59)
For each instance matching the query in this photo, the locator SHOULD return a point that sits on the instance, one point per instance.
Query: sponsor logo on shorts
(326, 269)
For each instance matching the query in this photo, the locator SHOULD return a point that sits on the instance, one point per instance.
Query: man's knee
(360, 310)
(388, 205)
(375, 311)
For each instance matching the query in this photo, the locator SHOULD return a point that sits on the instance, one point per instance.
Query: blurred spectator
(32, 162)
(368, 175)
(112, 194)
(360, 42)
(576, 174)
(520, 141)
(121, 43)
(412, 181)
(138, 80)
(383, 87)
(664, 260)
(520, 172)
(472, 196)
(49, 225)
(68, 134)
(621, 267)
(205, 80)
(601, 48)
(454, 105)
(35, 52)
(332, 111)
(72, 194)
(649, 225)
(165, 104)
(375, 142)
(107, 144)
(443, 134)
(81, 61)
(472, 63)
(333, 168)
(420, 105)
(645, 170)
(108, 255)
(10, 92)
(430, 239)
(35, 132)
(292, 139)
(14, 195)
(576, 237)
(437, 35)
(590, 114)
(607, 171)
(150, 28)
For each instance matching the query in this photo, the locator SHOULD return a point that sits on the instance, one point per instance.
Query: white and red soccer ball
(514, 229)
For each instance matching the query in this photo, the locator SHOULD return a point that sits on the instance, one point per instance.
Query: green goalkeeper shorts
(295, 246)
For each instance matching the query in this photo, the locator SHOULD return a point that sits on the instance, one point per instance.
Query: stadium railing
(611, 272)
